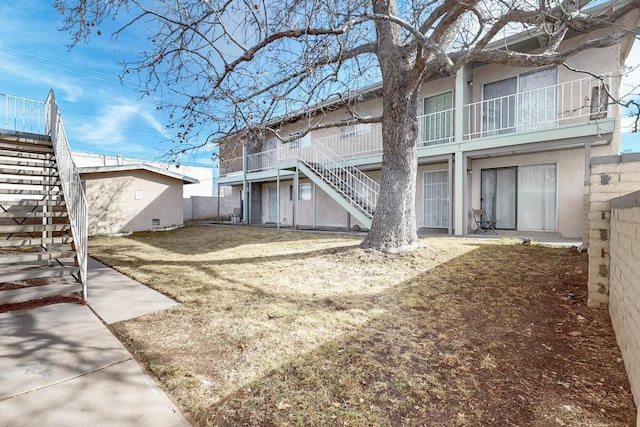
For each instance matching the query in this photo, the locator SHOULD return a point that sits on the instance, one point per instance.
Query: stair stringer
(331, 191)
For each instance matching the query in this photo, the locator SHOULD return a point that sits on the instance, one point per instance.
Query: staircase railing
(72, 187)
(357, 187)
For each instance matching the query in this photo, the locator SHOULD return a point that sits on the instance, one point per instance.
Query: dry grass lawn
(288, 328)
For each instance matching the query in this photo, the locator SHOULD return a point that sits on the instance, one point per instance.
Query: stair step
(26, 147)
(35, 256)
(37, 214)
(26, 138)
(27, 202)
(37, 273)
(31, 192)
(36, 163)
(37, 292)
(23, 172)
(35, 241)
(26, 181)
(25, 155)
(31, 228)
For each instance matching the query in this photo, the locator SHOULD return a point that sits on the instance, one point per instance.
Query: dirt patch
(282, 328)
(28, 305)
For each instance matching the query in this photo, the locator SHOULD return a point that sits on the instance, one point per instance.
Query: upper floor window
(300, 141)
(357, 129)
(525, 102)
(437, 121)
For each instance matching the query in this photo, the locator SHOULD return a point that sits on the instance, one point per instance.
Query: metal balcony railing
(551, 106)
(22, 114)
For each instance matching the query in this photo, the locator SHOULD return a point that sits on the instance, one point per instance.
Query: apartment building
(513, 141)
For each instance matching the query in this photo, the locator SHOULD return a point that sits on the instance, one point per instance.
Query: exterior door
(256, 204)
(499, 196)
(436, 199)
(272, 199)
(437, 119)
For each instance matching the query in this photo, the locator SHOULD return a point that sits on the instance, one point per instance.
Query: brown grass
(287, 328)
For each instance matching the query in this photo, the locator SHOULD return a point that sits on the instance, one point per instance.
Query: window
(437, 119)
(300, 141)
(356, 129)
(599, 98)
(155, 222)
(304, 191)
(524, 102)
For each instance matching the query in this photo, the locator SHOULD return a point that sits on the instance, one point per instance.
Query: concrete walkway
(61, 366)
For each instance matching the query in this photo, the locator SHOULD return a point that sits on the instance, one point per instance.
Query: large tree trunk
(394, 221)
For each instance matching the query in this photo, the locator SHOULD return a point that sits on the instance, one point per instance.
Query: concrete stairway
(37, 254)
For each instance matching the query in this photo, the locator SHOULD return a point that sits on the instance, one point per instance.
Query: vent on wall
(155, 222)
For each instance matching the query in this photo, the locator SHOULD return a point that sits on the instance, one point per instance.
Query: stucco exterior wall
(203, 174)
(129, 201)
(624, 291)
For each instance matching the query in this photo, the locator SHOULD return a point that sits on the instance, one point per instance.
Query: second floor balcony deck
(573, 103)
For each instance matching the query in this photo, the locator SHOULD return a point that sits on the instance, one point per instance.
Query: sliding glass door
(521, 197)
(499, 195)
(537, 198)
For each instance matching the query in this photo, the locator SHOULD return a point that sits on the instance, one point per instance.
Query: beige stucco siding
(129, 201)
(570, 182)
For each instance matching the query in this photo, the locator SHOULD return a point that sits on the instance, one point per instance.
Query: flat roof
(137, 166)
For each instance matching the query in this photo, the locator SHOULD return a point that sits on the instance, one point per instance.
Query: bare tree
(239, 64)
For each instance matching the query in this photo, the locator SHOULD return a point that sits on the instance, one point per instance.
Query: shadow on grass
(487, 338)
(201, 239)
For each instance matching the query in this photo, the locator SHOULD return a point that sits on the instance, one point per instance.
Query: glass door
(436, 199)
(498, 194)
(437, 120)
(273, 205)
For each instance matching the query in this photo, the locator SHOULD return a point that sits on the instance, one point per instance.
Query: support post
(450, 193)
(218, 214)
(460, 172)
(294, 196)
(314, 205)
(278, 198)
(249, 203)
(245, 187)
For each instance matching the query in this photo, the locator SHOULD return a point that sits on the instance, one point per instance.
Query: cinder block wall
(624, 291)
(611, 177)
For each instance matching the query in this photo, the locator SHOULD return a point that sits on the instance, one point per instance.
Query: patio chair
(483, 223)
(235, 216)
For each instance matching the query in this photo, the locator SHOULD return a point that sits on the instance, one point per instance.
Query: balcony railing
(22, 114)
(541, 108)
(547, 107)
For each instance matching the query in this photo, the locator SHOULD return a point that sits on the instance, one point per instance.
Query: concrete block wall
(624, 290)
(611, 177)
(201, 207)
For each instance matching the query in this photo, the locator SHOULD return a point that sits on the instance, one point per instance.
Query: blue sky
(101, 113)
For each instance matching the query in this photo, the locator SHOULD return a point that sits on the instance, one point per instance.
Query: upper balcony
(21, 114)
(533, 113)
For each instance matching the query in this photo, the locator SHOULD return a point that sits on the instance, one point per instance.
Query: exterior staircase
(347, 185)
(43, 247)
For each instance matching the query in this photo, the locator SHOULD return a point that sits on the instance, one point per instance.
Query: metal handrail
(72, 187)
(356, 186)
(22, 114)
